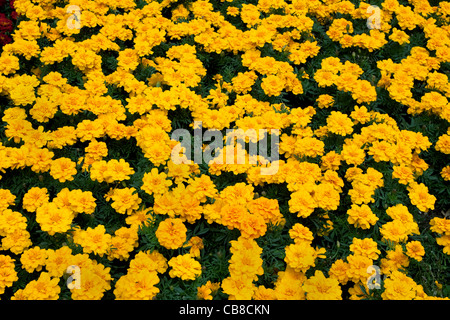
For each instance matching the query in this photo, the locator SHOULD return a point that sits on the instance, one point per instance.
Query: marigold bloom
(318, 287)
(171, 233)
(338, 270)
(7, 273)
(399, 287)
(63, 169)
(33, 259)
(302, 203)
(365, 247)
(137, 286)
(206, 291)
(125, 200)
(34, 198)
(155, 183)
(420, 197)
(361, 216)
(414, 249)
(301, 256)
(53, 219)
(44, 288)
(353, 154)
(94, 240)
(394, 231)
(238, 288)
(184, 267)
(339, 123)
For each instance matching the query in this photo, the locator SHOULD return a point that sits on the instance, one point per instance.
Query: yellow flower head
(184, 267)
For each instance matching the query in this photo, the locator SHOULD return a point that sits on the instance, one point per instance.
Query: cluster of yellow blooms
(50, 115)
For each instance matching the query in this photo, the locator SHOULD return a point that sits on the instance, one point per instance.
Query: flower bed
(100, 199)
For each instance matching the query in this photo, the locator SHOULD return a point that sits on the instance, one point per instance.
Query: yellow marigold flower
(338, 270)
(44, 288)
(184, 267)
(82, 201)
(7, 272)
(325, 101)
(252, 226)
(155, 183)
(141, 217)
(272, 85)
(58, 261)
(301, 256)
(289, 285)
(63, 136)
(206, 291)
(399, 36)
(6, 199)
(300, 233)
(92, 285)
(325, 78)
(339, 123)
(125, 200)
(171, 233)
(232, 215)
(330, 161)
(94, 240)
(403, 173)
(380, 150)
(414, 249)
(118, 170)
(16, 241)
(395, 259)
(96, 150)
(353, 154)
(11, 221)
(361, 193)
(123, 242)
(41, 159)
(246, 264)
(238, 288)
(53, 219)
(394, 231)
(88, 130)
(33, 259)
(302, 203)
(360, 114)
(440, 225)
(202, 187)
(263, 293)
(443, 144)
(63, 169)
(361, 216)
(9, 63)
(365, 247)
(167, 203)
(269, 209)
(309, 147)
(400, 212)
(445, 173)
(137, 286)
(243, 82)
(420, 197)
(444, 241)
(195, 244)
(326, 196)
(357, 267)
(318, 287)
(148, 262)
(398, 286)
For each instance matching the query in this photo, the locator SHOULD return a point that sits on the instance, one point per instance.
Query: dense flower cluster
(90, 98)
